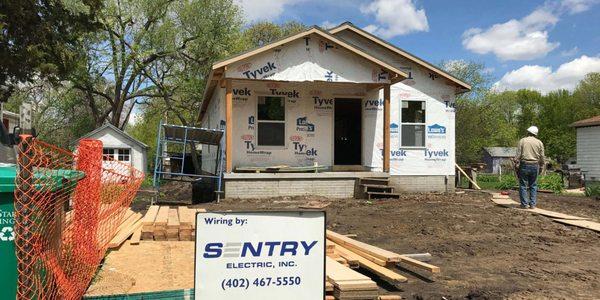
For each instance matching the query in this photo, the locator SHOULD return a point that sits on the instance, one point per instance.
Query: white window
(108, 154)
(118, 154)
(413, 123)
(270, 121)
(124, 155)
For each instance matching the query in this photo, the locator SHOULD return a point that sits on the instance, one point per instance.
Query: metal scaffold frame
(186, 136)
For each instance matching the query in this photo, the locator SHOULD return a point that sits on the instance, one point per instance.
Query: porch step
(374, 181)
(376, 188)
(382, 195)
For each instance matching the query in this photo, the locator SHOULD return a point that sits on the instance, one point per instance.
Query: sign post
(260, 255)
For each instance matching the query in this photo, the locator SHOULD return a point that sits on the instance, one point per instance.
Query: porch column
(228, 126)
(386, 127)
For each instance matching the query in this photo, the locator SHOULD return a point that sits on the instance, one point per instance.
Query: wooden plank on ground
(419, 264)
(555, 215)
(347, 242)
(136, 236)
(125, 233)
(504, 202)
(581, 223)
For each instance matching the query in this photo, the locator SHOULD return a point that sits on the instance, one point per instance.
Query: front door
(347, 132)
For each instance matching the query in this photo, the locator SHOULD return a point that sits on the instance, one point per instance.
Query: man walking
(530, 156)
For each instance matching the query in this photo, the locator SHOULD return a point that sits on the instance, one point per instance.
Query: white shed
(588, 147)
(120, 146)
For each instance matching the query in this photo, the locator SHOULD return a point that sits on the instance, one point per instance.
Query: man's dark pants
(528, 173)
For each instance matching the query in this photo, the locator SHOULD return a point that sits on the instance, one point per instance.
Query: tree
(588, 95)
(39, 39)
(152, 49)
(52, 108)
(262, 33)
(473, 73)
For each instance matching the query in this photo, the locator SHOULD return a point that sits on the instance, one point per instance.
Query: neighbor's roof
(113, 128)
(593, 121)
(501, 151)
(351, 27)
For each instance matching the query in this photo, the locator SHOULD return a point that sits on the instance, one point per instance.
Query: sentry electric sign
(247, 255)
(258, 249)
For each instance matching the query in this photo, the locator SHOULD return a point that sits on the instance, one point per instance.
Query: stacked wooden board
(131, 223)
(164, 223)
(345, 254)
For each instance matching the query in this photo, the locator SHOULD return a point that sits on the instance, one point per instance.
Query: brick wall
(434, 183)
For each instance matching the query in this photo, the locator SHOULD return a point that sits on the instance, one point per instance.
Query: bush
(553, 182)
(592, 190)
(487, 178)
(508, 182)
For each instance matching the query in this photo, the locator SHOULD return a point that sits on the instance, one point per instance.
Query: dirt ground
(484, 251)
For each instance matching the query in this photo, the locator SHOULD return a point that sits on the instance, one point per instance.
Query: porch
(325, 184)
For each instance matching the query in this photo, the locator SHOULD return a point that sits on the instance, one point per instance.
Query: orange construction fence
(68, 206)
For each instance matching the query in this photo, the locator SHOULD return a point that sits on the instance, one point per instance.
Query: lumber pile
(129, 226)
(164, 223)
(345, 254)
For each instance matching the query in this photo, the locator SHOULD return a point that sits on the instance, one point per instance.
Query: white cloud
(523, 39)
(545, 80)
(570, 52)
(577, 6)
(395, 17)
(263, 10)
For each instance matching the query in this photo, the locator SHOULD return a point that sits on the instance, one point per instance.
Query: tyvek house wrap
(309, 104)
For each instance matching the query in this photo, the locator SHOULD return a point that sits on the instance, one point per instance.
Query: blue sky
(542, 45)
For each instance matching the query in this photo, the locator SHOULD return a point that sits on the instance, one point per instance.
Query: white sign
(260, 255)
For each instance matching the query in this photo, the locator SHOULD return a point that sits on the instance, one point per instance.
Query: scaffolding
(182, 137)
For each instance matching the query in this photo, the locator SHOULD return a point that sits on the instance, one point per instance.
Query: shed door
(347, 132)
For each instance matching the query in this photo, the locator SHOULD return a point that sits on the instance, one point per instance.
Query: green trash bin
(8, 260)
(57, 180)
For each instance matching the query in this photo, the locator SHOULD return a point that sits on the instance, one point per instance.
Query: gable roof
(593, 121)
(349, 26)
(501, 151)
(218, 68)
(312, 30)
(113, 128)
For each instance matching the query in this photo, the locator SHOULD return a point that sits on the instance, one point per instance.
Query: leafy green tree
(152, 49)
(588, 95)
(262, 33)
(39, 39)
(473, 73)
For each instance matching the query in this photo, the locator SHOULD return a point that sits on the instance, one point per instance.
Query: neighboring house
(588, 147)
(10, 120)
(495, 158)
(341, 98)
(119, 146)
